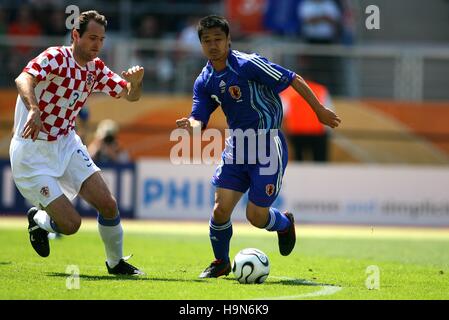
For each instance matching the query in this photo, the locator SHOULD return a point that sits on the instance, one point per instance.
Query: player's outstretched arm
(26, 83)
(134, 76)
(325, 115)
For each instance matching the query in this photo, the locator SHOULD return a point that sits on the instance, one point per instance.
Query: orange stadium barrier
(381, 131)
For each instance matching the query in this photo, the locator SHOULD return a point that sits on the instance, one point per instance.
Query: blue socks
(220, 234)
(277, 221)
(220, 237)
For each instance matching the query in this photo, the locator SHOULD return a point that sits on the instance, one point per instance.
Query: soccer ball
(251, 266)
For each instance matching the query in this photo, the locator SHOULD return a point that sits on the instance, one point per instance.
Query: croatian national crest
(45, 192)
(235, 92)
(90, 80)
(269, 189)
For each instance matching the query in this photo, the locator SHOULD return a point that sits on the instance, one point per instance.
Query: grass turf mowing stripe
(244, 228)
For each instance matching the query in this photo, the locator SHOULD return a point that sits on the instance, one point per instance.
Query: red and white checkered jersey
(63, 87)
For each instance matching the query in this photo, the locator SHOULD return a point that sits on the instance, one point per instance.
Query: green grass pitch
(327, 263)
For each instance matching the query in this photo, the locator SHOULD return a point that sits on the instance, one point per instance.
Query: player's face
(215, 44)
(89, 45)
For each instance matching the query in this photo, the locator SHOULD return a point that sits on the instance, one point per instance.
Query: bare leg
(257, 216)
(95, 191)
(64, 214)
(225, 202)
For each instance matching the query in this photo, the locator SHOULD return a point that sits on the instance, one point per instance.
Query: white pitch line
(325, 291)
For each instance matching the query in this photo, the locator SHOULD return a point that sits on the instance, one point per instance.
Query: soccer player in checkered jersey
(246, 86)
(50, 164)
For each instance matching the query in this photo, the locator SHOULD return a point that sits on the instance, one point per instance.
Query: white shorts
(43, 170)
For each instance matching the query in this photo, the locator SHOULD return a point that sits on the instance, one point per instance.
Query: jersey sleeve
(44, 64)
(203, 105)
(261, 70)
(108, 81)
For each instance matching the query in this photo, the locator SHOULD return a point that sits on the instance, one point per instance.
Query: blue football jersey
(247, 90)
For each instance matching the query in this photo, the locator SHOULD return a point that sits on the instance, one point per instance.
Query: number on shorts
(85, 157)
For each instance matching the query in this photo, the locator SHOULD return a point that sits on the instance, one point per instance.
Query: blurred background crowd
(161, 36)
(308, 21)
(398, 68)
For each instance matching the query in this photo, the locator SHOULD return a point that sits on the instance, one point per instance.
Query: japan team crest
(269, 189)
(235, 92)
(45, 192)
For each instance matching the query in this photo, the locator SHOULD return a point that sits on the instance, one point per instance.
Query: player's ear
(75, 34)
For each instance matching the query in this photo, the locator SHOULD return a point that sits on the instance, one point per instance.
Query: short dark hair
(212, 21)
(86, 16)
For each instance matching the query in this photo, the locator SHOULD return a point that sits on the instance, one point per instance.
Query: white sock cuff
(43, 220)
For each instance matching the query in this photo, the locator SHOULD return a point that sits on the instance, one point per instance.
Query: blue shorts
(262, 178)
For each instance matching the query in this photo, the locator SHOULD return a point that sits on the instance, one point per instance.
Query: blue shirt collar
(228, 62)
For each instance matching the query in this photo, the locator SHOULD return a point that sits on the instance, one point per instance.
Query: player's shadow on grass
(302, 282)
(95, 278)
(120, 278)
(294, 282)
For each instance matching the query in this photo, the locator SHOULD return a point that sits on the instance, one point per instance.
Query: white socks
(111, 233)
(44, 221)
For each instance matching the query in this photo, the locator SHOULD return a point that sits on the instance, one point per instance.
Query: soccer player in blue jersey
(246, 87)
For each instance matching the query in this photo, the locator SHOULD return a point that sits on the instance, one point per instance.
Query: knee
(255, 218)
(71, 226)
(108, 208)
(221, 215)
